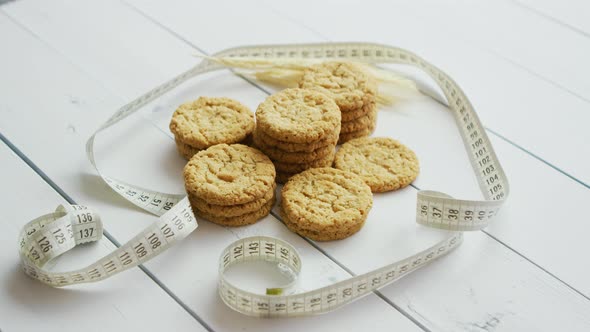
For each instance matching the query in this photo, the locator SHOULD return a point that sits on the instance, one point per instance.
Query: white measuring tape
(49, 236)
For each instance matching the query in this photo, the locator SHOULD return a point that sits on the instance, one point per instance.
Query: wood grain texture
(129, 301)
(545, 49)
(488, 285)
(480, 64)
(516, 93)
(69, 109)
(454, 176)
(573, 15)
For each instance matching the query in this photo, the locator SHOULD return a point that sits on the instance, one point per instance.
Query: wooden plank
(506, 109)
(71, 108)
(118, 74)
(130, 301)
(573, 15)
(486, 303)
(515, 91)
(546, 49)
(483, 283)
(471, 277)
(454, 176)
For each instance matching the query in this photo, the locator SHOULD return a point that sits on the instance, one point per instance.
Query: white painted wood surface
(130, 301)
(518, 92)
(69, 64)
(437, 124)
(66, 135)
(572, 14)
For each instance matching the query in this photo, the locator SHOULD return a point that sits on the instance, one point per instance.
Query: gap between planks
(109, 237)
(267, 92)
(313, 244)
(550, 18)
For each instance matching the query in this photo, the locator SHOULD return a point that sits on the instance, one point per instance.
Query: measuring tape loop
(317, 301)
(51, 235)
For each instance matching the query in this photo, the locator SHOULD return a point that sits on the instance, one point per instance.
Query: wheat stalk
(288, 73)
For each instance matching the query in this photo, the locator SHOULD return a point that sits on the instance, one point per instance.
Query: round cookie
(326, 200)
(345, 137)
(300, 167)
(383, 163)
(360, 123)
(349, 85)
(296, 147)
(209, 121)
(359, 113)
(298, 116)
(243, 220)
(229, 174)
(232, 210)
(326, 235)
(185, 150)
(293, 157)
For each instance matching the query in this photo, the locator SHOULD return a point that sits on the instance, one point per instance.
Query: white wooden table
(65, 66)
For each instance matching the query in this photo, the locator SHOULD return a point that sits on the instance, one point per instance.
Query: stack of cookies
(298, 129)
(208, 121)
(230, 185)
(325, 204)
(353, 90)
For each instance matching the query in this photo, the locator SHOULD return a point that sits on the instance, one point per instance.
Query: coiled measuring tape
(49, 236)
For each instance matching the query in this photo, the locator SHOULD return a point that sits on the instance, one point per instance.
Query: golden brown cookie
(276, 154)
(229, 174)
(209, 121)
(359, 113)
(298, 116)
(231, 210)
(295, 147)
(243, 220)
(300, 167)
(325, 235)
(383, 163)
(348, 84)
(185, 150)
(326, 200)
(356, 134)
(364, 122)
